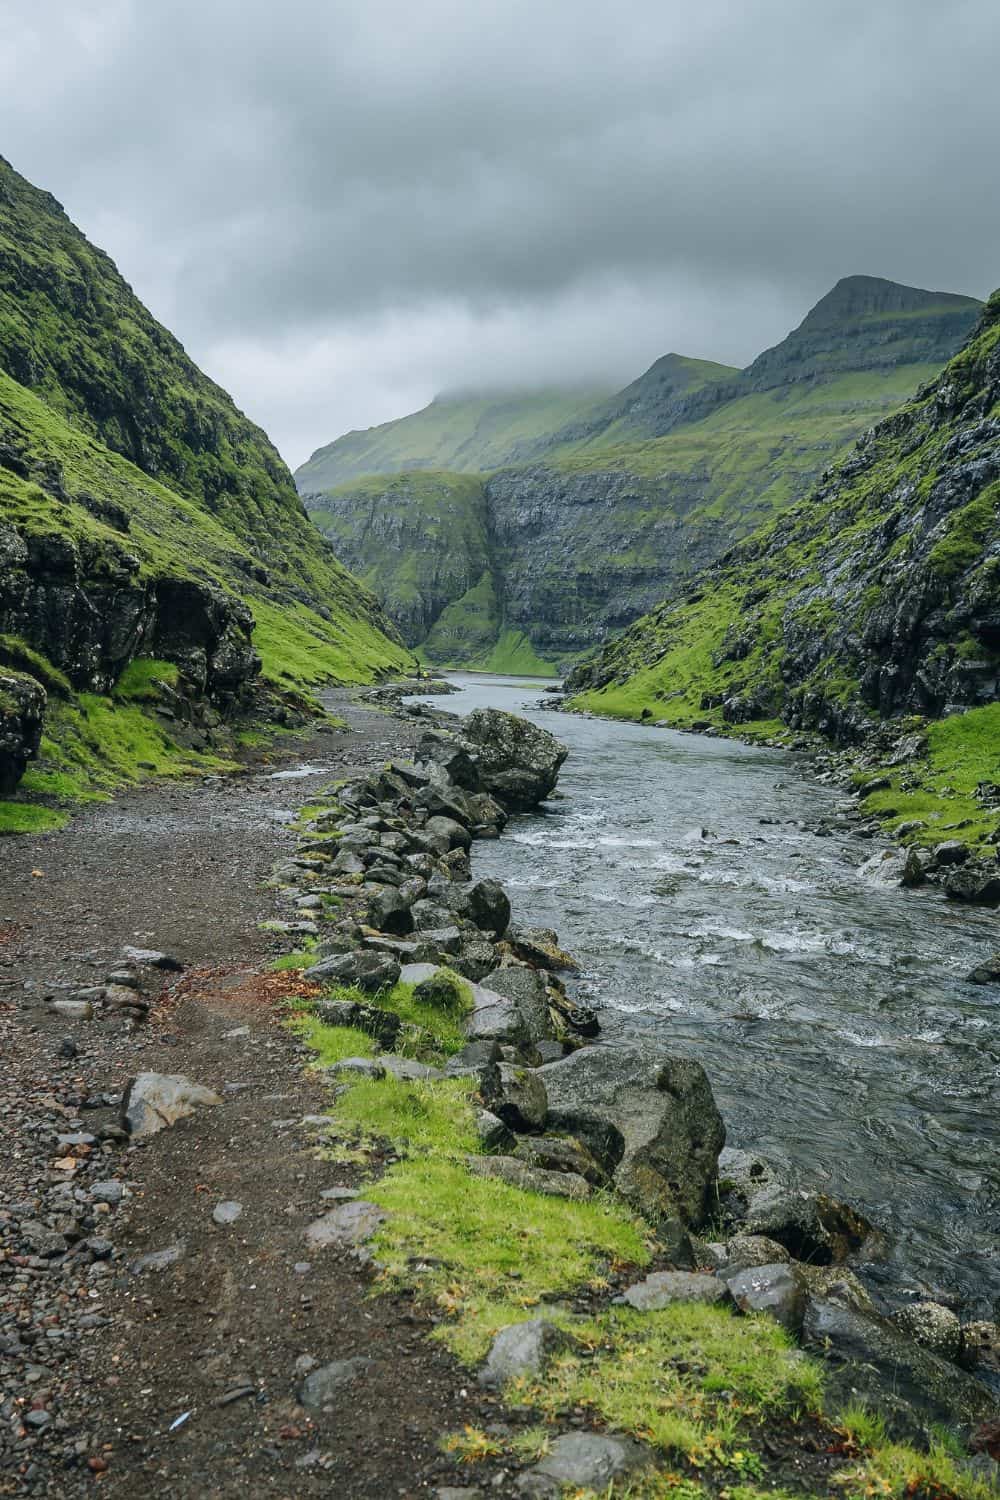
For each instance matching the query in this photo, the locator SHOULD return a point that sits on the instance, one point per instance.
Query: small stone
(159, 1260)
(226, 1212)
(583, 1460)
(111, 1192)
(340, 1194)
(36, 1419)
(153, 1101)
(350, 1224)
(524, 1349)
(774, 1289)
(151, 959)
(325, 1383)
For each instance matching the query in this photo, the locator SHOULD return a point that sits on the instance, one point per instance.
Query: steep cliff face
(617, 508)
(877, 596)
(421, 539)
(141, 515)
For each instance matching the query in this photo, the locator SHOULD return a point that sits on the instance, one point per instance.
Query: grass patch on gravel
(29, 817)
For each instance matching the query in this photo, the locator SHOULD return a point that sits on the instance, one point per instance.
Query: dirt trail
(97, 1362)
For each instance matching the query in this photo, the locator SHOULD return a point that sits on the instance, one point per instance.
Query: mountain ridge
(609, 512)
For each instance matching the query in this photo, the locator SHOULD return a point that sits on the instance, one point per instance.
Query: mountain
(466, 434)
(142, 516)
(617, 507)
(875, 598)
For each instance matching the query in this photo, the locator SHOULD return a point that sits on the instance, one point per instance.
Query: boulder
(530, 1179)
(444, 991)
(389, 911)
(773, 1289)
(517, 1095)
(493, 1134)
(908, 1385)
(665, 1287)
(476, 957)
(449, 831)
(368, 970)
(486, 904)
(440, 749)
(539, 946)
(524, 1349)
(22, 711)
(517, 761)
(152, 1101)
(649, 1119)
(526, 989)
(812, 1226)
(744, 1251)
(976, 882)
(493, 1019)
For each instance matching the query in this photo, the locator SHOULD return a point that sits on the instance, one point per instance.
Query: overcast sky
(344, 206)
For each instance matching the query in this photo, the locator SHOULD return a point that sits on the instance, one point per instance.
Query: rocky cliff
(877, 596)
(141, 514)
(605, 515)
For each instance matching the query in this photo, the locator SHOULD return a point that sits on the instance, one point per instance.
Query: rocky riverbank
(639, 1306)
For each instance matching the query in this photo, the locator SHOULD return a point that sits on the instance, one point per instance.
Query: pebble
(227, 1212)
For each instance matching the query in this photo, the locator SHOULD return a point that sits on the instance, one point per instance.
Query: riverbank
(459, 1253)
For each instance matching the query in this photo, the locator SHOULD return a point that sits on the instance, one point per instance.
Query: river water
(832, 1015)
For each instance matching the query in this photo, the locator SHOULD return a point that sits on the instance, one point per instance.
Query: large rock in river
(649, 1119)
(517, 761)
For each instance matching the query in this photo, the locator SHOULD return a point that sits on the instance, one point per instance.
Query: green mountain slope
(463, 434)
(876, 597)
(642, 490)
(142, 517)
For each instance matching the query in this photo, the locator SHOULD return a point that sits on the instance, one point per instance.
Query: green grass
(141, 679)
(16, 653)
(513, 656)
(962, 751)
(26, 817)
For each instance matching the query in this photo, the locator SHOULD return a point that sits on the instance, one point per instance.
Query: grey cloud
(320, 183)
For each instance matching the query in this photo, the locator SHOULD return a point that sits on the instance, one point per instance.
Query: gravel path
(183, 1381)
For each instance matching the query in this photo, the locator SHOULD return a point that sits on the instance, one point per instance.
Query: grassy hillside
(466, 434)
(876, 597)
(621, 505)
(143, 520)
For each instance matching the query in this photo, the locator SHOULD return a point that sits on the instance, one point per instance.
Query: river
(831, 1014)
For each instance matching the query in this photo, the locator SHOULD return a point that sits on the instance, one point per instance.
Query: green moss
(16, 653)
(141, 679)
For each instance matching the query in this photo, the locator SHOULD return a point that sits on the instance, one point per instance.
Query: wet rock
(975, 882)
(773, 1289)
(323, 1385)
(486, 904)
(951, 852)
(368, 970)
(582, 1461)
(517, 1095)
(910, 1386)
(932, 1327)
(988, 972)
(517, 761)
(530, 1179)
(648, 1118)
(524, 1349)
(539, 946)
(349, 1224)
(665, 1287)
(812, 1226)
(153, 1101)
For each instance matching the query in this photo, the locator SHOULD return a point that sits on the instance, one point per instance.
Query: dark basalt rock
(22, 710)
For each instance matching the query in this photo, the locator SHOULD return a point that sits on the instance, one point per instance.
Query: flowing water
(831, 1014)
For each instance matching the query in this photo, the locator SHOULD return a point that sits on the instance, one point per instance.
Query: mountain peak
(855, 297)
